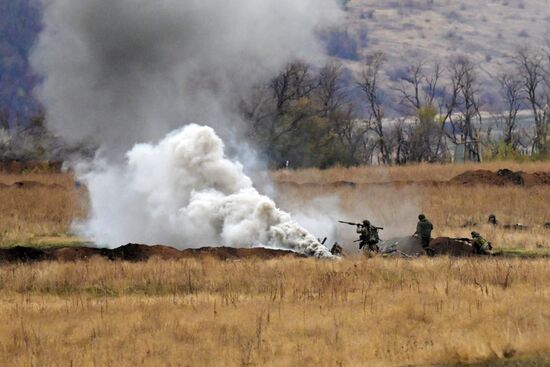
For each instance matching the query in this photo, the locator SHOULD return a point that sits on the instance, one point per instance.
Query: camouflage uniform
(481, 245)
(368, 236)
(424, 230)
(337, 250)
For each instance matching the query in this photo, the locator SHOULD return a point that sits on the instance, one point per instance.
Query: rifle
(359, 224)
(350, 223)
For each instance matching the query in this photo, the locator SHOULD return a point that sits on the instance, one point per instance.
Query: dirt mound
(34, 184)
(502, 177)
(23, 254)
(412, 246)
(136, 253)
(451, 247)
(20, 167)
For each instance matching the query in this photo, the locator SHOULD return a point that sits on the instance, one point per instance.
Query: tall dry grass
(278, 312)
(416, 172)
(28, 215)
(47, 207)
(284, 312)
(453, 209)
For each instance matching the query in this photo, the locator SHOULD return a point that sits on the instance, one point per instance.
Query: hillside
(19, 25)
(429, 29)
(406, 30)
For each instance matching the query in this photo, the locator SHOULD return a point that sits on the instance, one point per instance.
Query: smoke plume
(125, 71)
(117, 72)
(184, 191)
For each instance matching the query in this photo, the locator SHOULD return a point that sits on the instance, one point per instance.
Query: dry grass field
(393, 197)
(40, 211)
(357, 311)
(278, 313)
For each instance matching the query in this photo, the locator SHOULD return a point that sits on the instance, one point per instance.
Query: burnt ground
(136, 253)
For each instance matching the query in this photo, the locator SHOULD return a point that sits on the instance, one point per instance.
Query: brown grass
(395, 206)
(284, 312)
(381, 174)
(279, 312)
(27, 214)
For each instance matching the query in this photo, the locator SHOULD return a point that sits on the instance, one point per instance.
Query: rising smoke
(185, 189)
(127, 71)
(119, 72)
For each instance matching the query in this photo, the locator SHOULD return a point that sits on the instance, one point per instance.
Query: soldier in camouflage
(424, 230)
(368, 236)
(337, 250)
(481, 245)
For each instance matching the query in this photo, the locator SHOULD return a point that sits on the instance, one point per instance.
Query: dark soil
(136, 253)
(442, 246)
(502, 177)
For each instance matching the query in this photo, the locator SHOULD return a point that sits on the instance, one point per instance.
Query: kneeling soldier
(481, 245)
(368, 236)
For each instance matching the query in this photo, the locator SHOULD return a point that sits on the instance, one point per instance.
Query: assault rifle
(359, 224)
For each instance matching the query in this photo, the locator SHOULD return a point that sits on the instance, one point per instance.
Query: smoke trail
(124, 71)
(184, 191)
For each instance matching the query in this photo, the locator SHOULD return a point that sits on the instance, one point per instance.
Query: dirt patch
(442, 246)
(136, 253)
(23, 254)
(451, 247)
(502, 177)
(33, 185)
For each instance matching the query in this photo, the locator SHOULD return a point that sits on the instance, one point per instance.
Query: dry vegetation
(411, 173)
(285, 312)
(39, 212)
(407, 191)
(280, 313)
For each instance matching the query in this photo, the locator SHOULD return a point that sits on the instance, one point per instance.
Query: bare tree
(417, 87)
(418, 90)
(510, 90)
(369, 84)
(531, 71)
(462, 105)
(330, 91)
(4, 119)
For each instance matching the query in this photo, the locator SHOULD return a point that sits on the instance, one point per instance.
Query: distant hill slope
(406, 30)
(487, 31)
(19, 26)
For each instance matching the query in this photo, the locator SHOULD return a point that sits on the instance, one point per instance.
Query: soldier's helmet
(421, 217)
(475, 234)
(366, 223)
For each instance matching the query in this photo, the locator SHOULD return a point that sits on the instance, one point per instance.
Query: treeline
(323, 117)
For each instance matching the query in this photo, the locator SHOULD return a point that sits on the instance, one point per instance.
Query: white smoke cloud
(185, 192)
(125, 71)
